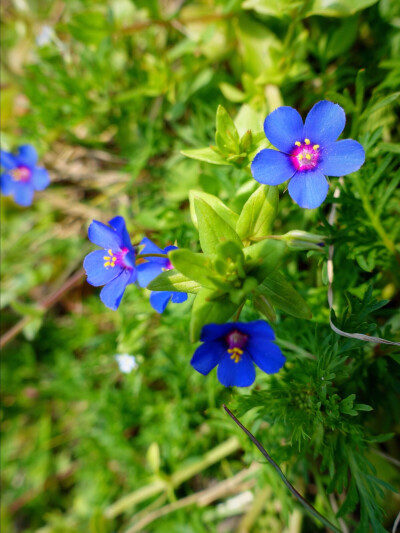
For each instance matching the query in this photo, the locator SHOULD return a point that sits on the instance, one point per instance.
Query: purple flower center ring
(305, 156)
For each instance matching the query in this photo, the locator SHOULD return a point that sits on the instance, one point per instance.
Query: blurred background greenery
(110, 92)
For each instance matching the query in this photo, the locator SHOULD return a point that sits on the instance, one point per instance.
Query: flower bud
(302, 240)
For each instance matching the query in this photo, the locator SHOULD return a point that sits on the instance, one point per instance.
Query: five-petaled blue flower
(22, 177)
(234, 347)
(151, 269)
(307, 153)
(114, 265)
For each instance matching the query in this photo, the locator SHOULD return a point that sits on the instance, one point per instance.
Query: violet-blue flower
(151, 269)
(114, 265)
(22, 177)
(307, 153)
(235, 347)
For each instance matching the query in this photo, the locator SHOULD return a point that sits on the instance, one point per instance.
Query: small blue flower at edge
(114, 265)
(151, 269)
(235, 347)
(22, 177)
(307, 153)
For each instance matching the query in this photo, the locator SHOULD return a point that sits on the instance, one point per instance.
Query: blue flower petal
(7, 160)
(207, 356)
(341, 158)
(151, 248)
(7, 184)
(241, 374)
(118, 223)
(146, 272)
(212, 332)
(170, 248)
(23, 194)
(97, 273)
(283, 127)
(257, 328)
(272, 167)
(178, 297)
(324, 123)
(40, 178)
(308, 189)
(27, 156)
(159, 300)
(104, 236)
(266, 355)
(112, 293)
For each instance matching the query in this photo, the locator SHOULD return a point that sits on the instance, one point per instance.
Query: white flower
(126, 363)
(45, 36)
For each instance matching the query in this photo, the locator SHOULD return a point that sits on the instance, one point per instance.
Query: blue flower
(151, 269)
(114, 265)
(307, 153)
(234, 347)
(22, 177)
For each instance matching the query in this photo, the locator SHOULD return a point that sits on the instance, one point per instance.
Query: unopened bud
(302, 240)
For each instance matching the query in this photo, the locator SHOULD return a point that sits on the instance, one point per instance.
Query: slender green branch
(144, 256)
(295, 493)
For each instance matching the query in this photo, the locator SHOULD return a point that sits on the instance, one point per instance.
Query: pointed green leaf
(213, 230)
(197, 267)
(258, 213)
(208, 309)
(262, 305)
(219, 207)
(283, 296)
(208, 154)
(226, 137)
(171, 280)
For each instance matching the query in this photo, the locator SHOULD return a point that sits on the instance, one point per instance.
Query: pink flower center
(305, 155)
(236, 342)
(116, 258)
(168, 266)
(21, 173)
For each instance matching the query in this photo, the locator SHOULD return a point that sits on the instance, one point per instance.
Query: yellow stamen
(307, 141)
(236, 354)
(315, 147)
(110, 260)
(308, 156)
(297, 143)
(300, 157)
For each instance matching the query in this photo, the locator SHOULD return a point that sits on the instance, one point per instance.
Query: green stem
(295, 493)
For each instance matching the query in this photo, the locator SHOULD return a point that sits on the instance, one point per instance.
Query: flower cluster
(116, 265)
(306, 152)
(22, 177)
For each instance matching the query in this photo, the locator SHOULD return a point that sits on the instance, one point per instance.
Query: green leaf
(171, 280)
(231, 92)
(283, 296)
(208, 154)
(208, 309)
(223, 211)
(338, 8)
(262, 304)
(264, 257)
(382, 103)
(197, 267)
(258, 213)
(213, 230)
(226, 137)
